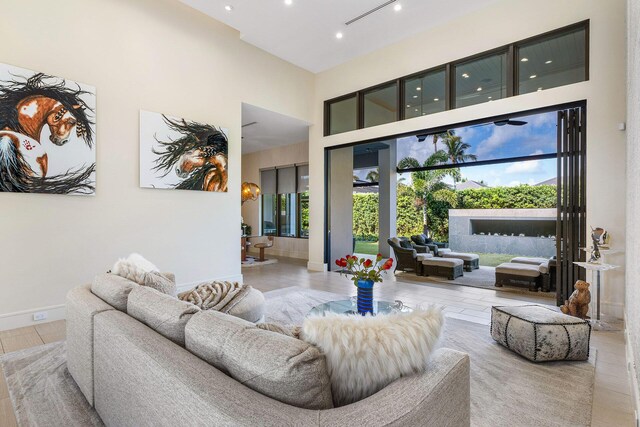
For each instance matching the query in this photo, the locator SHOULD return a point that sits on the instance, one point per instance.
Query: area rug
(483, 278)
(42, 390)
(506, 389)
(253, 262)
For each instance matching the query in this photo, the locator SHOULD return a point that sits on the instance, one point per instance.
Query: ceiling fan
(509, 122)
(503, 123)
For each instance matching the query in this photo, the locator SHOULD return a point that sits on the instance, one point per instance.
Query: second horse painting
(181, 154)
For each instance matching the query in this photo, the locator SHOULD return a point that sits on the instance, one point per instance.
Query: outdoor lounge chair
(520, 275)
(451, 268)
(426, 243)
(406, 258)
(547, 266)
(471, 261)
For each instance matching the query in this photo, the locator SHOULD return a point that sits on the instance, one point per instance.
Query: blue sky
(489, 142)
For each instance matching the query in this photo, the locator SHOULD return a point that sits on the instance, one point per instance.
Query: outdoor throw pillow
(419, 239)
(405, 244)
(365, 354)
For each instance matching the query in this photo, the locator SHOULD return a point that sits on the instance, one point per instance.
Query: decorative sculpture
(578, 303)
(600, 238)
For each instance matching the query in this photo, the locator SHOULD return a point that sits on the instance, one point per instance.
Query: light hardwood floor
(612, 404)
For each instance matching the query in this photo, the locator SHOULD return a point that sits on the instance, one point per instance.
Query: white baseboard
(613, 309)
(281, 253)
(631, 368)
(233, 278)
(316, 266)
(23, 318)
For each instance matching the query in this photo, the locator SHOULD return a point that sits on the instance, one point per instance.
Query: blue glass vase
(365, 296)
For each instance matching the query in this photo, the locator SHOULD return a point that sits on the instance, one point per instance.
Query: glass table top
(349, 306)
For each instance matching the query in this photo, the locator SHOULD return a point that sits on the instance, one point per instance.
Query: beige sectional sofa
(142, 358)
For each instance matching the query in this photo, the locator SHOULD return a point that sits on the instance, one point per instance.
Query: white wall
(251, 165)
(504, 22)
(633, 183)
(157, 55)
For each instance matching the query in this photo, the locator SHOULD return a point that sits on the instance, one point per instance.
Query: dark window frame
(510, 49)
(403, 83)
(515, 72)
(504, 50)
(363, 93)
(430, 131)
(262, 210)
(327, 110)
(296, 205)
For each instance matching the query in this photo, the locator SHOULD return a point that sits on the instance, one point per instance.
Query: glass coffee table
(350, 306)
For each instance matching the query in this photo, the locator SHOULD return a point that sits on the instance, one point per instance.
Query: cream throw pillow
(365, 354)
(140, 270)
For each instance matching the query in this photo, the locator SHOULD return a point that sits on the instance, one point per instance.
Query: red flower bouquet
(364, 268)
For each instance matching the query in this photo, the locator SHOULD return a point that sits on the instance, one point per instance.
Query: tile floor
(612, 404)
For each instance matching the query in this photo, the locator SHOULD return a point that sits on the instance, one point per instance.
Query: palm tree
(373, 176)
(428, 184)
(456, 149)
(442, 136)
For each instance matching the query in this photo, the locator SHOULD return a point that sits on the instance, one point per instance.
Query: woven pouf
(540, 334)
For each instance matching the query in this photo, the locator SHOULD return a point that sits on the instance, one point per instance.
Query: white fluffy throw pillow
(365, 354)
(134, 268)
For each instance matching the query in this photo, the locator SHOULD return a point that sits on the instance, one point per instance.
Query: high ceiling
(304, 32)
(263, 129)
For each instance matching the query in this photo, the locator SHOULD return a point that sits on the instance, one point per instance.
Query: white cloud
(523, 167)
(537, 120)
(411, 147)
(500, 136)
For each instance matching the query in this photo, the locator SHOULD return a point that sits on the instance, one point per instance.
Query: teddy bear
(578, 303)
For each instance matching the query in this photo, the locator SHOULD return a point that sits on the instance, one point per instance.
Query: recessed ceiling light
(539, 89)
(418, 88)
(397, 7)
(489, 97)
(479, 89)
(416, 110)
(415, 96)
(408, 105)
(548, 62)
(228, 8)
(288, 2)
(436, 99)
(339, 35)
(465, 75)
(524, 59)
(533, 76)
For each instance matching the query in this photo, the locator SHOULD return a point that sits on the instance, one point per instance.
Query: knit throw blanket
(219, 296)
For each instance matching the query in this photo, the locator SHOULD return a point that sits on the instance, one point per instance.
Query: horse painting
(181, 154)
(46, 134)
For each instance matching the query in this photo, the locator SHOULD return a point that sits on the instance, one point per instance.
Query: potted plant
(365, 272)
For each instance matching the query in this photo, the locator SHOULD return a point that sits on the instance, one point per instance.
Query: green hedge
(365, 216)
(520, 197)
(409, 215)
